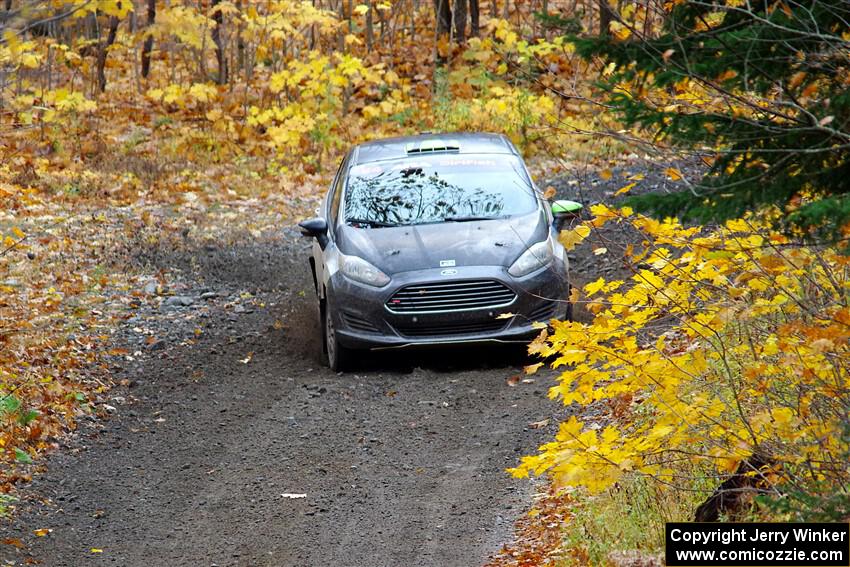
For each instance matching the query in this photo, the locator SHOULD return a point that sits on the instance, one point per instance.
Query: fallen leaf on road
(248, 358)
(513, 380)
(539, 424)
(673, 173)
(41, 532)
(14, 541)
(626, 189)
(292, 495)
(532, 368)
(96, 550)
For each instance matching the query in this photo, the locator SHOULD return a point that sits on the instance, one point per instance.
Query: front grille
(450, 296)
(358, 323)
(450, 329)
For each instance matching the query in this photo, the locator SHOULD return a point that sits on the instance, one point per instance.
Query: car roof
(430, 143)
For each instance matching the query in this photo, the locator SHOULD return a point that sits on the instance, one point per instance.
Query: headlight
(537, 256)
(362, 271)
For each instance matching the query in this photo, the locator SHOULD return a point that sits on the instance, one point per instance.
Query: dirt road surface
(211, 445)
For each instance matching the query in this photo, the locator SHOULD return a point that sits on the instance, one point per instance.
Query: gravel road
(212, 445)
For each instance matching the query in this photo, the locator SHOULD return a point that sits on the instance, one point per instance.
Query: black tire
(337, 356)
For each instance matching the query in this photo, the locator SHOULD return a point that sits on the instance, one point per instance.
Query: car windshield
(433, 189)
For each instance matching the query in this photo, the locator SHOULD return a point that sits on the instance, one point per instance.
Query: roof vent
(433, 146)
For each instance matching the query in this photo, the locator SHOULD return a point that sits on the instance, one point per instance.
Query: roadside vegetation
(711, 380)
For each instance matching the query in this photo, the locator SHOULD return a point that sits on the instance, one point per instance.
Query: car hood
(497, 242)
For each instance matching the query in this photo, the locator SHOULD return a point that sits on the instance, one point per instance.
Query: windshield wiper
(372, 223)
(468, 218)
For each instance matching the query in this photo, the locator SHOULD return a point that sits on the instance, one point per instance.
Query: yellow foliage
(570, 238)
(732, 347)
(186, 24)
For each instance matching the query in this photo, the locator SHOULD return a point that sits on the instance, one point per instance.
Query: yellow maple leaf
(532, 368)
(673, 173)
(620, 31)
(626, 189)
(570, 238)
(594, 287)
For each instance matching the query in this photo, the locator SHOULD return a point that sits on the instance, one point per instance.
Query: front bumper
(363, 321)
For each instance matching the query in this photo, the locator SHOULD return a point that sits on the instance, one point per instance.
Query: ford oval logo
(448, 272)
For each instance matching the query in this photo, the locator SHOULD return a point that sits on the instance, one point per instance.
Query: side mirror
(564, 210)
(315, 228)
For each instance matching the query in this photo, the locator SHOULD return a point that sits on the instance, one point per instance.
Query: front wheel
(338, 356)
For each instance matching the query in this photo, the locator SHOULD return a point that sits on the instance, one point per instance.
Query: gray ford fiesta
(428, 239)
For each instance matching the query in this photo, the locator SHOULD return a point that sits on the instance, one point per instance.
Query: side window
(336, 195)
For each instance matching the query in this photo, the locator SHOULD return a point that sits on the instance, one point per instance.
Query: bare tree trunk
(341, 46)
(444, 16)
(49, 68)
(474, 18)
(103, 51)
(605, 17)
(218, 18)
(460, 11)
(148, 45)
(370, 34)
(312, 32)
(346, 92)
(382, 21)
(240, 42)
